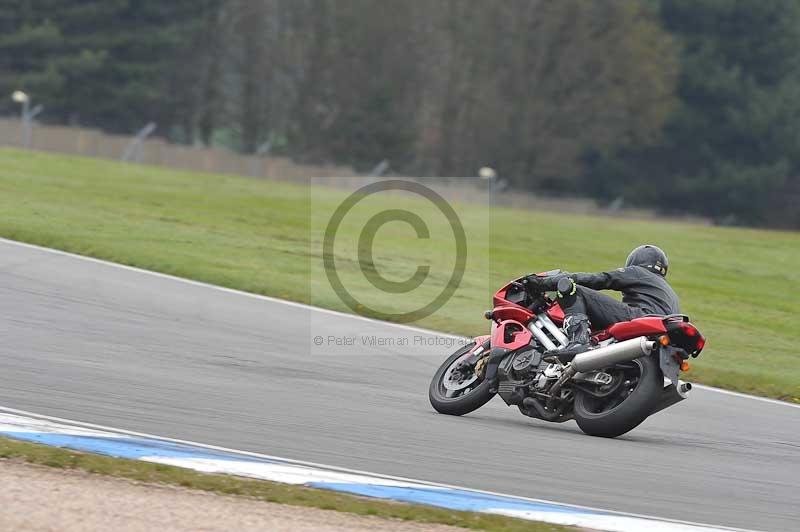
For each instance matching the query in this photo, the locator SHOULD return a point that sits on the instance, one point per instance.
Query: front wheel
(456, 389)
(625, 403)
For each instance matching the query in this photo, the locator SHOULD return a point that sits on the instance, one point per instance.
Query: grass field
(739, 286)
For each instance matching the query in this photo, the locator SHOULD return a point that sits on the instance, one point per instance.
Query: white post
(26, 116)
(133, 149)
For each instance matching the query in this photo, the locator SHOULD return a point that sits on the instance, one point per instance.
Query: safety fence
(94, 143)
(154, 151)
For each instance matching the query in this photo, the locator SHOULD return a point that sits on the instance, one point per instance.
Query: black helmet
(650, 257)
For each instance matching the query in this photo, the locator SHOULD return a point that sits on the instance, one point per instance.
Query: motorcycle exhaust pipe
(673, 394)
(609, 355)
(547, 415)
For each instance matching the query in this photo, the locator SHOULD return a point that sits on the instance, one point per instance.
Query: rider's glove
(544, 284)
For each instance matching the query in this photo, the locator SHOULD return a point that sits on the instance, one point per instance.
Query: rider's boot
(577, 329)
(576, 322)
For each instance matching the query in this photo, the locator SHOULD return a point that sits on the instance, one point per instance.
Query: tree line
(679, 105)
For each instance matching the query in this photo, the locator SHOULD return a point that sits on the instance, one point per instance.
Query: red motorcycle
(630, 373)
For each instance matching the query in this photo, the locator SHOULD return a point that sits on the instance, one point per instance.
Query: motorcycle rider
(644, 291)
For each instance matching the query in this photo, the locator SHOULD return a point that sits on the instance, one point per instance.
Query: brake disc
(456, 378)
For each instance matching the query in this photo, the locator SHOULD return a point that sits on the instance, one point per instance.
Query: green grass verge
(261, 490)
(740, 286)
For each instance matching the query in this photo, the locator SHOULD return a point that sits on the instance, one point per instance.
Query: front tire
(595, 419)
(457, 404)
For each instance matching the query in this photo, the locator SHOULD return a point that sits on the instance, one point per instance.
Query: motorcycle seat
(684, 316)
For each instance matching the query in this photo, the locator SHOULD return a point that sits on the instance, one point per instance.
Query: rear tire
(462, 404)
(630, 413)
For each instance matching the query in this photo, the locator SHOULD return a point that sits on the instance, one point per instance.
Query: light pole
(27, 115)
(21, 97)
(488, 174)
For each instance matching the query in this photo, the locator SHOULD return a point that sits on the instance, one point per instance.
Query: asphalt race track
(87, 341)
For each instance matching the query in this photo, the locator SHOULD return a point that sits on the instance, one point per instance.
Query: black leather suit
(643, 292)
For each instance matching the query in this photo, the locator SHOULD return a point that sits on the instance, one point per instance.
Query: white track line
(346, 470)
(744, 395)
(319, 309)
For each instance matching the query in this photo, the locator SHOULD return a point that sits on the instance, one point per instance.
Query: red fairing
(556, 313)
(512, 312)
(600, 336)
(518, 335)
(479, 340)
(637, 327)
(499, 298)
